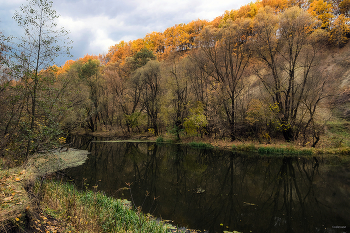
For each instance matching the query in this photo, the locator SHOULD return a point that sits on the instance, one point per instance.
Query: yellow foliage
(339, 30)
(322, 11)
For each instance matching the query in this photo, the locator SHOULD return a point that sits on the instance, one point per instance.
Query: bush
(159, 139)
(201, 145)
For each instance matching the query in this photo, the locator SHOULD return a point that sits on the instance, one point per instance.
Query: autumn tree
(176, 78)
(155, 42)
(323, 11)
(142, 57)
(286, 46)
(89, 74)
(339, 31)
(344, 7)
(151, 92)
(42, 43)
(224, 55)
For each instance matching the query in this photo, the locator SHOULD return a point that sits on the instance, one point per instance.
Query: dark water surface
(216, 190)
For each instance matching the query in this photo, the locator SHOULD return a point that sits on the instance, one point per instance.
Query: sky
(95, 25)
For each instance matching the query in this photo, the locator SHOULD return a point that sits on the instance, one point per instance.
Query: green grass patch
(200, 145)
(246, 147)
(339, 133)
(159, 139)
(89, 211)
(269, 150)
(284, 151)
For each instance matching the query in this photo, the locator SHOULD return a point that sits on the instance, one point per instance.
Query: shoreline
(14, 199)
(28, 204)
(274, 147)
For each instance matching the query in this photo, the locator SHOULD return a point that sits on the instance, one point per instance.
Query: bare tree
(151, 92)
(226, 55)
(287, 48)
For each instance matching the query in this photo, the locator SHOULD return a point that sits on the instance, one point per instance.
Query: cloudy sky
(95, 25)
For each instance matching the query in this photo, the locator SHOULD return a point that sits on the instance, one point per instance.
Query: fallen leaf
(7, 198)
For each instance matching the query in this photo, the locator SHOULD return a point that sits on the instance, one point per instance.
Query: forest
(272, 69)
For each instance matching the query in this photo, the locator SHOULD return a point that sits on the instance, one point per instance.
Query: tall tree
(287, 46)
(89, 73)
(224, 56)
(42, 43)
(177, 88)
(151, 94)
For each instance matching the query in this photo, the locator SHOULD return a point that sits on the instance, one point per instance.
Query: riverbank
(328, 145)
(30, 205)
(15, 200)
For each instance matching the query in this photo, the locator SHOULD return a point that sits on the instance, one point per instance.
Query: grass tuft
(200, 145)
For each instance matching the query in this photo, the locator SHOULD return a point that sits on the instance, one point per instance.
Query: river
(214, 190)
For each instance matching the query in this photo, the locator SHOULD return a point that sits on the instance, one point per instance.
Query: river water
(218, 190)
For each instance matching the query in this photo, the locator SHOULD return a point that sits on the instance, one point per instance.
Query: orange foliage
(88, 57)
(340, 29)
(155, 42)
(216, 22)
(278, 5)
(246, 11)
(65, 67)
(137, 45)
(177, 38)
(181, 37)
(322, 10)
(118, 52)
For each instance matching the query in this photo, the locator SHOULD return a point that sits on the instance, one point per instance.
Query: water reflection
(219, 190)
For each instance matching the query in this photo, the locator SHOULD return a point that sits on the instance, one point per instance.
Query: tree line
(251, 73)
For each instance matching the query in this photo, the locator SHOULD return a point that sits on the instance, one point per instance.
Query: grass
(200, 145)
(51, 206)
(284, 151)
(338, 133)
(89, 211)
(271, 150)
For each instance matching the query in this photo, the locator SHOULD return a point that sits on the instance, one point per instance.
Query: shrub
(159, 139)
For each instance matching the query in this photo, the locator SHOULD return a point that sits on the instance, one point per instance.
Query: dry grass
(14, 200)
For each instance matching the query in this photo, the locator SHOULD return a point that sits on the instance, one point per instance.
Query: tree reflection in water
(218, 190)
